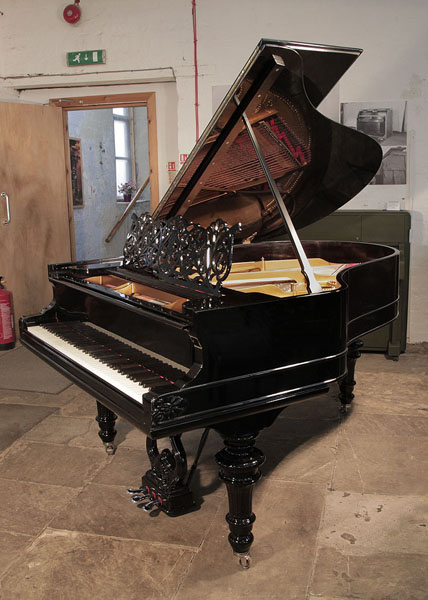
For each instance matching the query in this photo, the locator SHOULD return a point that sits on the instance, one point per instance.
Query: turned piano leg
(347, 384)
(106, 420)
(239, 464)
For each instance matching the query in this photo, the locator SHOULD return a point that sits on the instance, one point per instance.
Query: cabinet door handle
(7, 219)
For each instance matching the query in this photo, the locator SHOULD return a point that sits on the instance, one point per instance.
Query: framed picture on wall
(386, 122)
(76, 172)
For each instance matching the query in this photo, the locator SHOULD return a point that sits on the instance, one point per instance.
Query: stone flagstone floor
(342, 509)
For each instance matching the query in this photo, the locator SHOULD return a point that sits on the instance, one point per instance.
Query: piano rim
(137, 413)
(60, 273)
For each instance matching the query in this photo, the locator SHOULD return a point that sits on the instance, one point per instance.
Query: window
(124, 146)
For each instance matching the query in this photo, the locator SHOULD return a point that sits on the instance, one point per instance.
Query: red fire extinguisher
(7, 334)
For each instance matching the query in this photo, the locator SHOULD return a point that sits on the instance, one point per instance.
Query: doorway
(111, 141)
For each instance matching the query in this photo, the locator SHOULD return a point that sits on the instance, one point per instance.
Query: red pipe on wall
(195, 53)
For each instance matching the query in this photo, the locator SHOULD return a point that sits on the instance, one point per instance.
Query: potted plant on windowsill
(127, 189)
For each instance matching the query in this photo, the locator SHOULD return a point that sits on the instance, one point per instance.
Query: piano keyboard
(129, 369)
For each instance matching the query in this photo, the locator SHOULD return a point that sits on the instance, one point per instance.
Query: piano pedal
(136, 491)
(110, 448)
(151, 505)
(138, 494)
(136, 499)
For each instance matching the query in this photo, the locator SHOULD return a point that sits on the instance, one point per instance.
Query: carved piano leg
(239, 464)
(347, 384)
(164, 486)
(106, 420)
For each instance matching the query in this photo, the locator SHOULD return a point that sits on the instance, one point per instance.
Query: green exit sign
(86, 57)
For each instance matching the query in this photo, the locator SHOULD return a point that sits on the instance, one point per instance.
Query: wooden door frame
(147, 99)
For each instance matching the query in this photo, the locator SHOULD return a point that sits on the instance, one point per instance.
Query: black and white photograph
(385, 122)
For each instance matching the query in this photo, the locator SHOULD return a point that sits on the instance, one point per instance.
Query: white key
(122, 383)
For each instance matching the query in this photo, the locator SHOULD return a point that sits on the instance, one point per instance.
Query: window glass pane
(123, 172)
(121, 111)
(121, 138)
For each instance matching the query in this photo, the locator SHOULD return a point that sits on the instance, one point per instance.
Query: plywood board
(33, 174)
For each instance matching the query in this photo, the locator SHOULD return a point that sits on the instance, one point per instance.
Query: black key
(118, 355)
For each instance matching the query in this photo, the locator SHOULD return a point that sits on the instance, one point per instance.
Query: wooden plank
(32, 173)
(153, 152)
(127, 210)
(70, 210)
(102, 101)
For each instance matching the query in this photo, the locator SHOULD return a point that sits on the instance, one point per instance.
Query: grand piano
(207, 321)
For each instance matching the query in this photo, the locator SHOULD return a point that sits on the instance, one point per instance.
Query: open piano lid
(317, 164)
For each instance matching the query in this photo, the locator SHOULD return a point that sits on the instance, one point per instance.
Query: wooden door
(33, 175)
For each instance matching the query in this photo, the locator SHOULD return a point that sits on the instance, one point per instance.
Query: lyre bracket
(164, 485)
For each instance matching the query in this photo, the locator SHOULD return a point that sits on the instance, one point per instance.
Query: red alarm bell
(72, 12)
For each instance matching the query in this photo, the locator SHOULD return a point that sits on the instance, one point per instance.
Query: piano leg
(347, 384)
(239, 464)
(106, 420)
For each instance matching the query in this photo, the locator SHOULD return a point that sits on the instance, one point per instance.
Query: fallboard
(157, 332)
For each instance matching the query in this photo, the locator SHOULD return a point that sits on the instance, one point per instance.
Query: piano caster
(344, 409)
(244, 559)
(110, 448)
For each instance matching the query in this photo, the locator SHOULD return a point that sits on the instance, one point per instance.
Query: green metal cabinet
(383, 227)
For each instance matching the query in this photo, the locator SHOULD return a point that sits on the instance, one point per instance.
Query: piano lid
(317, 164)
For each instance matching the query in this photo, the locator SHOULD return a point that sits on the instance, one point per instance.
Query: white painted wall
(153, 42)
